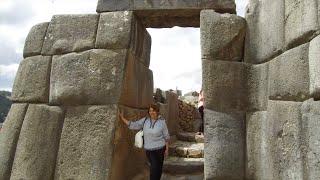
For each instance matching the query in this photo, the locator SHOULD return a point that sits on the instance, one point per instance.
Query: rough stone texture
(224, 145)
(172, 119)
(258, 155)
(127, 160)
(69, 33)
(167, 13)
(32, 80)
(90, 77)
(186, 149)
(224, 85)
(289, 75)
(222, 36)
(9, 135)
(314, 70)
(122, 30)
(177, 165)
(301, 21)
(257, 81)
(310, 135)
(285, 139)
(86, 146)
(34, 40)
(265, 30)
(137, 89)
(191, 137)
(38, 143)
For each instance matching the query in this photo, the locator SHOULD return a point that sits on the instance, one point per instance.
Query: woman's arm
(166, 137)
(123, 118)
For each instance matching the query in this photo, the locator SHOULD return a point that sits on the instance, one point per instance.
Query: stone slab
(285, 139)
(289, 75)
(70, 33)
(179, 165)
(34, 40)
(224, 145)
(314, 70)
(9, 136)
(38, 144)
(257, 82)
(122, 30)
(224, 85)
(265, 30)
(301, 21)
(32, 80)
(91, 77)
(167, 13)
(86, 147)
(311, 140)
(258, 155)
(222, 36)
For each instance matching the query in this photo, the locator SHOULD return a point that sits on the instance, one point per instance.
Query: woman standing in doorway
(156, 139)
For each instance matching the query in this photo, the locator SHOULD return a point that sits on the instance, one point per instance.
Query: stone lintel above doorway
(167, 13)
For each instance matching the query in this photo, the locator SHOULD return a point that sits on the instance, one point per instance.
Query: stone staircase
(185, 161)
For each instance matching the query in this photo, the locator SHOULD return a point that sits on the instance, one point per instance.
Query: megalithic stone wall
(78, 71)
(282, 119)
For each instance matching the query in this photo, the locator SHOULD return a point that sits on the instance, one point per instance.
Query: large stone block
(289, 75)
(34, 40)
(86, 145)
(91, 77)
(265, 30)
(32, 80)
(314, 70)
(224, 145)
(224, 85)
(122, 30)
(222, 36)
(259, 161)
(286, 146)
(9, 136)
(173, 112)
(69, 33)
(167, 13)
(38, 143)
(311, 138)
(301, 21)
(257, 81)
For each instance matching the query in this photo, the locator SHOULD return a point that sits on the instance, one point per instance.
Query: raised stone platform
(167, 13)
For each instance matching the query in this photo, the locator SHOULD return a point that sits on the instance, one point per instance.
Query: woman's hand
(122, 118)
(166, 152)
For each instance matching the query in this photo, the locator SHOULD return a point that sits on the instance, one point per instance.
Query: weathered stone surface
(224, 85)
(167, 13)
(301, 21)
(222, 36)
(9, 136)
(86, 147)
(289, 75)
(32, 80)
(90, 77)
(314, 70)
(188, 176)
(265, 30)
(122, 30)
(191, 137)
(186, 149)
(127, 160)
(311, 139)
(38, 143)
(257, 81)
(177, 165)
(34, 40)
(173, 109)
(259, 164)
(285, 139)
(69, 33)
(224, 146)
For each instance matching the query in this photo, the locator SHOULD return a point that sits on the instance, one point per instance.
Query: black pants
(201, 108)
(156, 158)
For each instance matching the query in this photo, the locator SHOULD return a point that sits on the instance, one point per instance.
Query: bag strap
(144, 122)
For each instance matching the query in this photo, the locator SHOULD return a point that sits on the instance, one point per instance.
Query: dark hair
(155, 107)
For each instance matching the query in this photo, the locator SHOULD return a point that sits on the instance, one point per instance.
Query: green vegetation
(5, 104)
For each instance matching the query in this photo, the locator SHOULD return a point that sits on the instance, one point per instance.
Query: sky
(175, 52)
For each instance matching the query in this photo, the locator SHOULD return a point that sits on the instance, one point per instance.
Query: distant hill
(5, 104)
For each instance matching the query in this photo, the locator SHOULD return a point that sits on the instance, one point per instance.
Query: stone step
(198, 176)
(178, 165)
(190, 136)
(186, 149)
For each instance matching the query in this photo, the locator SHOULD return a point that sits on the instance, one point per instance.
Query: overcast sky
(175, 53)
